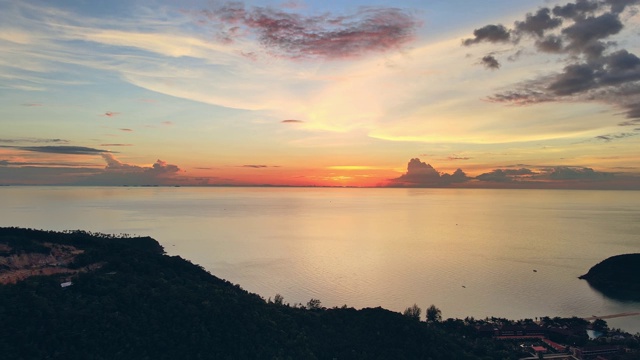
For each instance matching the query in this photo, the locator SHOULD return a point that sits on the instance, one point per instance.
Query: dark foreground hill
(617, 277)
(77, 295)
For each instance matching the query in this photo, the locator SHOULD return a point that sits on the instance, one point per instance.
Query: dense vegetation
(129, 300)
(617, 277)
(143, 304)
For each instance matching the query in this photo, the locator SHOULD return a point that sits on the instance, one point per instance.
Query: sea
(471, 252)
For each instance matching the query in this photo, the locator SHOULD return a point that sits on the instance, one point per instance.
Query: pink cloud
(326, 36)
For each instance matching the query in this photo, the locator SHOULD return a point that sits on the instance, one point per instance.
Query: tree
(278, 299)
(314, 304)
(600, 325)
(413, 312)
(433, 314)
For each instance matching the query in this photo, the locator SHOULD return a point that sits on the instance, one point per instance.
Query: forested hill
(77, 295)
(617, 276)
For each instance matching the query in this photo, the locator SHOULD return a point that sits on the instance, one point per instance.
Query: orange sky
(213, 93)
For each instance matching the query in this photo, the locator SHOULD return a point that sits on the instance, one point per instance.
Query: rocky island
(617, 277)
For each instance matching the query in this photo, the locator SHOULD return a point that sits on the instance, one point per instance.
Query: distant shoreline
(612, 316)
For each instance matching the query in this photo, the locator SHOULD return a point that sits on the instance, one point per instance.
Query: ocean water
(471, 252)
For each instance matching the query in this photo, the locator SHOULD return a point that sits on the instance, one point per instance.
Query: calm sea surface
(470, 252)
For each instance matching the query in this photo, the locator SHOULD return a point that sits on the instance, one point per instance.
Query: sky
(404, 93)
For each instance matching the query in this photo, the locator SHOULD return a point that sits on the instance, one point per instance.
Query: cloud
(258, 166)
(158, 168)
(585, 34)
(507, 175)
(611, 137)
(32, 104)
(550, 44)
(421, 174)
(521, 171)
(576, 173)
(126, 130)
(576, 10)
(456, 157)
(537, 24)
(490, 62)
(69, 150)
(33, 140)
(497, 175)
(117, 172)
(162, 167)
(580, 33)
(51, 164)
(296, 36)
(115, 145)
(618, 6)
(110, 114)
(292, 121)
(489, 33)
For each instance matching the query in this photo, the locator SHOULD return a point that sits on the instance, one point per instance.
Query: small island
(81, 295)
(617, 277)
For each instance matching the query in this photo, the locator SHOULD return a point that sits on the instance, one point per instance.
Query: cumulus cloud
(489, 33)
(575, 10)
(117, 172)
(576, 173)
(506, 175)
(497, 175)
(537, 24)
(490, 62)
(582, 33)
(421, 174)
(327, 36)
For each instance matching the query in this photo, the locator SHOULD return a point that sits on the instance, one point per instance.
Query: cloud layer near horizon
(422, 175)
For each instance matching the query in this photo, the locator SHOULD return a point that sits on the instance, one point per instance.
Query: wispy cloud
(258, 166)
(67, 150)
(618, 136)
(291, 121)
(33, 140)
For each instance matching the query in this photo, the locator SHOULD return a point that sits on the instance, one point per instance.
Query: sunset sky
(322, 93)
